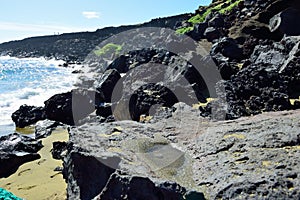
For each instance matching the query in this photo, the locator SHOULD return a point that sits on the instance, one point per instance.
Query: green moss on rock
(109, 48)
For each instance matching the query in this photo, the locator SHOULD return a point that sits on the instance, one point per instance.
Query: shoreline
(37, 179)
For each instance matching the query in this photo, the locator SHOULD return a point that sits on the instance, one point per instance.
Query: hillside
(74, 47)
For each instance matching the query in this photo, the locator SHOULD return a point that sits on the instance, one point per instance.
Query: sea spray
(29, 81)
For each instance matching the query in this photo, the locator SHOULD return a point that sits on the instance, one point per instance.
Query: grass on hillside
(200, 18)
(109, 48)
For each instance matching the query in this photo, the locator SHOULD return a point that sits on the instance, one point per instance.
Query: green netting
(5, 195)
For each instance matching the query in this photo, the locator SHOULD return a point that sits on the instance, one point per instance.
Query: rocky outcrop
(184, 155)
(16, 150)
(99, 169)
(27, 115)
(44, 128)
(70, 107)
(267, 83)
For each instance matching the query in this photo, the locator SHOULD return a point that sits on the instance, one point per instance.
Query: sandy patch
(37, 180)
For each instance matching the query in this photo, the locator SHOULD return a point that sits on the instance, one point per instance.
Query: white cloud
(91, 15)
(11, 26)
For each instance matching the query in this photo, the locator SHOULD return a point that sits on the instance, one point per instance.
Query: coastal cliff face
(166, 116)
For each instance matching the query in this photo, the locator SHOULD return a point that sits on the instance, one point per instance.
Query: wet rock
(44, 129)
(286, 22)
(28, 115)
(16, 150)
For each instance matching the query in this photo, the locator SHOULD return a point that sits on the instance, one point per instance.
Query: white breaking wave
(30, 81)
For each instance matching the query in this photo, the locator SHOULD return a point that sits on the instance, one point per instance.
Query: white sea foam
(29, 81)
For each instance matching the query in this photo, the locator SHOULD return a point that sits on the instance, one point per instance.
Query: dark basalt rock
(131, 188)
(286, 22)
(229, 48)
(59, 108)
(28, 115)
(104, 110)
(146, 97)
(45, 128)
(87, 175)
(58, 149)
(16, 150)
(70, 107)
(217, 21)
(198, 32)
(212, 34)
(93, 171)
(136, 93)
(249, 156)
(105, 85)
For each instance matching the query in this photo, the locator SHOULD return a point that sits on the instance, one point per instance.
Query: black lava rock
(28, 115)
(16, 150)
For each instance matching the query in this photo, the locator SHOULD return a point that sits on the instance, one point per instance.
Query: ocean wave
(30, 81)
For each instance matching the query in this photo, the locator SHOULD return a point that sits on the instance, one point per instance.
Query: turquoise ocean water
(31, 82)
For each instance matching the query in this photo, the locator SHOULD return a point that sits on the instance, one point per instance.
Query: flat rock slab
(252, 157)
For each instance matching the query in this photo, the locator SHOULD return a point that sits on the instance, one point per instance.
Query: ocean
(29, 81)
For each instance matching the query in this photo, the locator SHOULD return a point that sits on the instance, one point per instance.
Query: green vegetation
(230, 7)
(109, 48)
(200, 18)
(184, 30)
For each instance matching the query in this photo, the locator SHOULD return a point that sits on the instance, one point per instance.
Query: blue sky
(24, 18)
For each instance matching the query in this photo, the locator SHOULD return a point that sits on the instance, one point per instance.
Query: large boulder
(185, 156)
(212, 34)
(28, 115)
(198, 32)
(177, 81)
(228, 47)
(16, 150)
(217, 21)
(286, 22)
(70, 107)
(106, 84)
(101, 173)
(44, 128)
